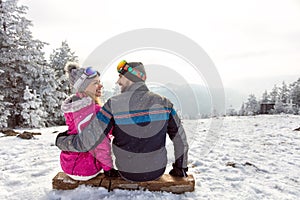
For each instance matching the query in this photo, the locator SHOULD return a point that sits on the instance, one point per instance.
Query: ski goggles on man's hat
(88, 73)
(124, 67)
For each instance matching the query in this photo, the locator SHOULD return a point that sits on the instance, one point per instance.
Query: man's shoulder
(117, 97)
(115, 100)
(149, 96)
(159, 98)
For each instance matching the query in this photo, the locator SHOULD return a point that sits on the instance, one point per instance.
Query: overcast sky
(253, 43)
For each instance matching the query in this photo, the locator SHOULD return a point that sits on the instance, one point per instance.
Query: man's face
(123, 82)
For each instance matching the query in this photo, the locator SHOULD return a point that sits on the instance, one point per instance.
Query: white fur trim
(68, 106)
(83, 178)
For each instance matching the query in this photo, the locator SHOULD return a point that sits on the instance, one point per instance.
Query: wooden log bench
(166, 183)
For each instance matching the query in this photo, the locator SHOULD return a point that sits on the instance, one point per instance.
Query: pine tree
(279, 107)
(51, 98)
(242, 111)
(21, 57)
(252, 106)
(284, 93)
(295, 92)
(58, 61)
(33, 114)
(265, 97)
(54, 99)
(231, 111)
(3, 108)
(4, 112)
(274, 94)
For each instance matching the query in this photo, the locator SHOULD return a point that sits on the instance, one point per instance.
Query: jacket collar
(74, 103)
(137, 86)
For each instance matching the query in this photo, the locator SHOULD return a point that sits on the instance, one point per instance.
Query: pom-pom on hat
(80, 78)
(134, 71)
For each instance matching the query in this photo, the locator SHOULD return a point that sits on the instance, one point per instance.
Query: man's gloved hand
(65, 133)
(62, 134)
(178, 171)
(112, 173)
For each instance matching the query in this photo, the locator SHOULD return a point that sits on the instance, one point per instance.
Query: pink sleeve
(103, 151)
(70, 123)
(103, 154)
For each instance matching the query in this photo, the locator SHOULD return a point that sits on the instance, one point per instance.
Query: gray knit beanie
(138, 67)
(74, 72)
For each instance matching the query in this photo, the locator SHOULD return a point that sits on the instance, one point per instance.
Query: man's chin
(123, 89)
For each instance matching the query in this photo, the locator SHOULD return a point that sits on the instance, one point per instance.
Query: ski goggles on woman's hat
(124, 67)
(88, 73)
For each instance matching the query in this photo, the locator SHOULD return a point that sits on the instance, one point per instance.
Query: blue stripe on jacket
(143, 118)
(173, 112)
(102, 117)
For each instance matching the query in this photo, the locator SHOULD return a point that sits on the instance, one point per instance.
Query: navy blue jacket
(141, 121)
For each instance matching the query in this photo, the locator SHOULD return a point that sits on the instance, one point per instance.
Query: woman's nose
(100, 85)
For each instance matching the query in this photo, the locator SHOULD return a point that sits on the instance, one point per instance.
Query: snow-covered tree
(54, 96)
(295, 92)
(284, 93)
(291, 108)
(231, 111)
(252, 105)
(21, 57)
(4, 112)
(279, 107)
(58, 61)
(274, 95)
(242, 111)
(265, 97)
(33, 114)
(3, 109)
(51, 98)
(284, 104)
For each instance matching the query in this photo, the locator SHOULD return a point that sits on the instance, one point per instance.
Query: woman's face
(94, 88)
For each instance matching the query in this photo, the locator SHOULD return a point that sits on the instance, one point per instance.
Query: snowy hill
(250, 158)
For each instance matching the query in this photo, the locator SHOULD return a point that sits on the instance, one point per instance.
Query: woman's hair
(98, 101)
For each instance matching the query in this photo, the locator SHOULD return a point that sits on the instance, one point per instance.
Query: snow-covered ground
(264, 149)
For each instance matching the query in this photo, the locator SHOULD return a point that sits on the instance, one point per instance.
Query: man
(140, 120)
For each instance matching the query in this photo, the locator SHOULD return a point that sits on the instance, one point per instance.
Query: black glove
(65, 133)
(112, 173)
(178, 171)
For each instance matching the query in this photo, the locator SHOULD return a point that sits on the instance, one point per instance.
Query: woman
(78, 110)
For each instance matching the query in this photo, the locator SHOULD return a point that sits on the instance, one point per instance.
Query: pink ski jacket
(78, 112)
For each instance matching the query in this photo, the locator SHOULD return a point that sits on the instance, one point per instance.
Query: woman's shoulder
(74, 103)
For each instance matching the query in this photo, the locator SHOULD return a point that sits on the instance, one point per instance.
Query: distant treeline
(282, 99)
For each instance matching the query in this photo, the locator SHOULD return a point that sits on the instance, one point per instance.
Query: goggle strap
(138, 74)
(80, 81)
